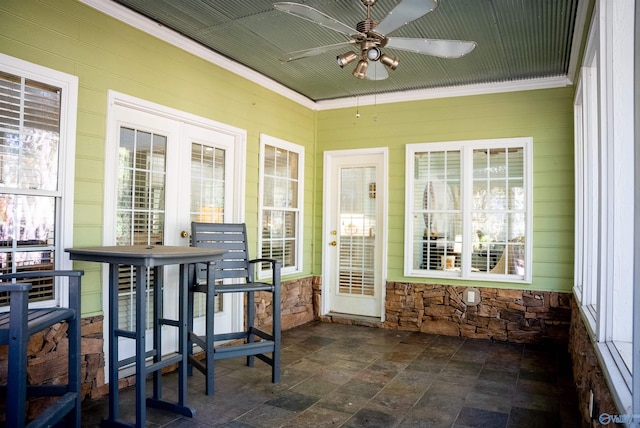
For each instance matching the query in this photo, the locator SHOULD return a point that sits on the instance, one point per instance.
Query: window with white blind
(281, 190)
(37, 135)
(469, 210)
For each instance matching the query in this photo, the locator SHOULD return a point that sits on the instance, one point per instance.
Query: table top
(145, 255)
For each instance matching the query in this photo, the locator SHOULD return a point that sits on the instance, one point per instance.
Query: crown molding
(447, 92)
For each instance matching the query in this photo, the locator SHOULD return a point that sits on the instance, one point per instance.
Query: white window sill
(456, 274)
(625, 350)
(613, 364)
(616, 375)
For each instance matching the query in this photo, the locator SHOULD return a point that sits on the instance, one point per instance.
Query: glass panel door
(354, 255)
(140, 209)
(207, 203)
(209, 198)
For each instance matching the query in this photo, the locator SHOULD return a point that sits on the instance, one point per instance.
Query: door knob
(333, 243)
(184, 234)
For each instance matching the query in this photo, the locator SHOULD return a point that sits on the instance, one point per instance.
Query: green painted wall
(545, 115)
(106, 54)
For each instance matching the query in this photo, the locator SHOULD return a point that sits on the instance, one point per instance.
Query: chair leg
(251, 313)
(276, 324)
(210, 316)
(17, 367)
(75, 348)
(190, 312)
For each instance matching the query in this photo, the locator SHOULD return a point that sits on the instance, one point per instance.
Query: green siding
(545, 115)
(108, 55)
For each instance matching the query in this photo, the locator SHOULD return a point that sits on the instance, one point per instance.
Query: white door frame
(329, 207)
(117, 99)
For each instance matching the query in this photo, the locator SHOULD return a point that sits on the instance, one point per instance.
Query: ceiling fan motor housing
(366, 25)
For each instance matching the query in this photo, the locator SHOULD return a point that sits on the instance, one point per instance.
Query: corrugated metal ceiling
(516, 39)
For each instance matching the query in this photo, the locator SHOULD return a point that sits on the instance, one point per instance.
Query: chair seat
(37, 320)
(237, 288)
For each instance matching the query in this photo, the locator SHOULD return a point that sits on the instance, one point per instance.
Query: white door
(162, 171)
(354, 266)
(208, 164)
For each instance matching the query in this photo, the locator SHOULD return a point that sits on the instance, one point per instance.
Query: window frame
(267, 140)
(604, 174)
(586, 159)
(466, 149)
(64, 195)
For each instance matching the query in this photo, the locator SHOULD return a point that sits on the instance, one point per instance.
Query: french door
(163, 170)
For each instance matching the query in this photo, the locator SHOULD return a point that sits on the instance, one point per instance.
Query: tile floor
(337, 375)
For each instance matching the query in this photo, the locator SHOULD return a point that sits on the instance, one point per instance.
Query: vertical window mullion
(466, 181)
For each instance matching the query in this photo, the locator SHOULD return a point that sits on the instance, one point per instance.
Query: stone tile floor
(336, 375)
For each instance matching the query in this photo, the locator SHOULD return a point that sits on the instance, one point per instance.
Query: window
(281, 169)
(36, 141)
(587, 172)
(469, 210)
(604, 147)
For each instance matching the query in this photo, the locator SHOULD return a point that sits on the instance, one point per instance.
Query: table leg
(181, 358)
(113, 342)
(182, 334)
(158, 309)
(141, 298)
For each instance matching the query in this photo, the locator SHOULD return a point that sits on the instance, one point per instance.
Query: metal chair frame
(235, 273)
(16, 328)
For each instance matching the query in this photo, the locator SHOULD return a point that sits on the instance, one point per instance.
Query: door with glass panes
(355, 231)
(168, 174)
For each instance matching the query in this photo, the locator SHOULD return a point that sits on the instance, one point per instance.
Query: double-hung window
(281, 190)
(469, 210)
(37, 134)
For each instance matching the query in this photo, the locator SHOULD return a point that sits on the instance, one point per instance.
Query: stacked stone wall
(587, 374)
(519, 316)
(47, 359)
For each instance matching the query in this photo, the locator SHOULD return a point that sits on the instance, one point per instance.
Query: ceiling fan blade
(292, 56)
(433, 47)
(405, 12)
(376, 71)
(315, 16)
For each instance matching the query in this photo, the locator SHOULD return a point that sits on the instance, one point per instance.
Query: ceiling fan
(370, 37)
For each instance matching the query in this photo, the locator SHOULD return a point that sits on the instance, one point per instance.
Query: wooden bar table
(142, 258)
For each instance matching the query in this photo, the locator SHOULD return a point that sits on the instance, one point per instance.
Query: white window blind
(30, 197)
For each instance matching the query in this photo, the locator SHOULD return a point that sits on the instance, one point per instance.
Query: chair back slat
(231, 237)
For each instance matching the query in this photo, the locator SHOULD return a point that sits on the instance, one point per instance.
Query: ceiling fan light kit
(346, 58)
(370, 37)
(390, 61)
(373, 54)
(361, 69)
